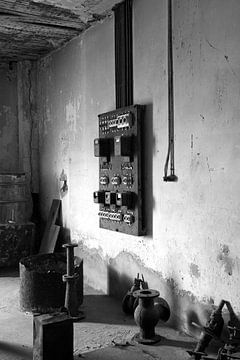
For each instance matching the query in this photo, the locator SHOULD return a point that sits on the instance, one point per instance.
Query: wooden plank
(17, 26)
(51, 221)
(42, 13)
(50, 243)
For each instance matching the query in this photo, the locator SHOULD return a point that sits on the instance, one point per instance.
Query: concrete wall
(191, 251)
(8, 118)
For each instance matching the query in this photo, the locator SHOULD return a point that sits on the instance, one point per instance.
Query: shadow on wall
(119, 283)
(147, 169)
(185, 308)
(115, 277)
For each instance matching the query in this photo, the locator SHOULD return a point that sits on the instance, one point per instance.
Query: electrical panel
(119, 148)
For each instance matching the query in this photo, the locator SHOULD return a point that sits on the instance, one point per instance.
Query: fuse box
(119, 149)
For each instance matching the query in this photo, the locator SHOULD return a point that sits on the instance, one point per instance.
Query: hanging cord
(170, 153)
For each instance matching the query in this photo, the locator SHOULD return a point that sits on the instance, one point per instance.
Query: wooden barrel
(15, 198)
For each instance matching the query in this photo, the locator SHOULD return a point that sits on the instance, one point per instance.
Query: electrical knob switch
(116, 180)
(104, 180)
(127, 180)
(128, 219)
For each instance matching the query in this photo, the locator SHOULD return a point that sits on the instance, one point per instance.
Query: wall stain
(226, 57)
(213, 47)
(231, 68)
(209, 170)
(194, 270)
(224, 258)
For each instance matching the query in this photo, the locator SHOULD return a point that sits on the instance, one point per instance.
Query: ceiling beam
(41, 13)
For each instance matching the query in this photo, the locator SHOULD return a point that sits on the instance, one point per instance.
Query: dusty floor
(105, 333)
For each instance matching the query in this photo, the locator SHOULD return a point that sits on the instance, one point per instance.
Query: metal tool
(71, 303)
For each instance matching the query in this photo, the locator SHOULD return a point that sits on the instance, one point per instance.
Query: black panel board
(119, 148)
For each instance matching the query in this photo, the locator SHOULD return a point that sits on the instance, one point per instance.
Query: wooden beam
(42, 13)
(50, 229)
(15, 25)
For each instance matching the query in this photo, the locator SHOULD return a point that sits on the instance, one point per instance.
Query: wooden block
(52, 337)
(47, 244)
(51, 239)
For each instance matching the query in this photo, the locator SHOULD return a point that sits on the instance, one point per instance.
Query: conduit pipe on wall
(170, 153)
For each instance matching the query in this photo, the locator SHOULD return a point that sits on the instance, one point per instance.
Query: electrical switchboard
(119, 148)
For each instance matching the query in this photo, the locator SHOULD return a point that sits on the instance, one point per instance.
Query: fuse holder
(99, 197)
(124, 199)
(110, 198)
(102, 147)
(123, 145)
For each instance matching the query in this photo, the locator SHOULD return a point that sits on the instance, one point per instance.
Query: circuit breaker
(119, 149)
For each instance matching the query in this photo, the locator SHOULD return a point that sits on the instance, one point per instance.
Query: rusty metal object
(163, 309)
(71, 299)
(129, 302)
(52, 337)
(230, 348)
(146, 316)
(212, 330)
(41, 286)
(232, 345)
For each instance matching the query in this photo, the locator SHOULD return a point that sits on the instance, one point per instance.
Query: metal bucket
(41, 285)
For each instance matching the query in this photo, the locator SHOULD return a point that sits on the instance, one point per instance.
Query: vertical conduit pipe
(170, 153)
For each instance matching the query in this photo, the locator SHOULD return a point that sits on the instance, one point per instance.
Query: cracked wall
(191, 252)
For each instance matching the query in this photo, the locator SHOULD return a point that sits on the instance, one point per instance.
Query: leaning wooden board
(51, 230)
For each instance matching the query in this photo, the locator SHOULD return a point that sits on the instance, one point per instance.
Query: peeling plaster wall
(191, 252)
(8, 119)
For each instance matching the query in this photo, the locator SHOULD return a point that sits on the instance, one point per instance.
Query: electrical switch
(102, 147)
(127, 180)
(110, 198)
(99, 197)
(128, 219)
(122, 146)
(116, 180)
(104, 180)
(124, 199)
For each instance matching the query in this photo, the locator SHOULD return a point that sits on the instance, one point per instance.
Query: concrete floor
(105, 333)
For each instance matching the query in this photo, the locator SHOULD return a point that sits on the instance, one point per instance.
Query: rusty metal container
(15, 198)
(41, 287)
